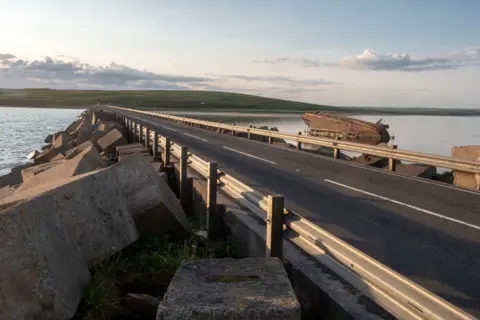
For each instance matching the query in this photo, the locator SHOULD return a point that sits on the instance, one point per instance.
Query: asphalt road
(427, 231)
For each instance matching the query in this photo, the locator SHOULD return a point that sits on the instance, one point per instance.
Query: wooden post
(274, 245)
(249, 135)
(168, 146)
(233, 130)
(155, 145)
(336, 153)
(392, 164)
(147, 137)
(213, 221)
(299, 144)
(183, 175)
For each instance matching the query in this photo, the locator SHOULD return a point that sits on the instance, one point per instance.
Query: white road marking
(190, 135)
(168, 128)
(249, 155)
(407, 205)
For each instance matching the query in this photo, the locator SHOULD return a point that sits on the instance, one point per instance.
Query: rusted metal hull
(345, 128)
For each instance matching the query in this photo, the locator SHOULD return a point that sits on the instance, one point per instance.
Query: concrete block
(42, 269)
(49, 138)
(30, 172)
(47, 146)
(59, 156)
(464, 179)
(129, 146)
(14, 177)
(111, 140)
(252, 288)
(6, 192)
(46, 155)
(61, 140)
(148, 194)
(417, 170)
(32, 155)
(86, 161)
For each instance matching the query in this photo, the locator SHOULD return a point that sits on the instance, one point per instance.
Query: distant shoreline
(204, 101)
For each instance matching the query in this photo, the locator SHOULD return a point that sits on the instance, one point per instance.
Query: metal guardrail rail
(391, 153)
(401, 297)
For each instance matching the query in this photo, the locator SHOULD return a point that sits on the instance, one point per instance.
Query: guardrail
(397, 294)
(390, 153)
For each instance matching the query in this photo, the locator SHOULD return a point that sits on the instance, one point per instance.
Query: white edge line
(407, 205)
(249, 155)
(190, 135)
(168, 128)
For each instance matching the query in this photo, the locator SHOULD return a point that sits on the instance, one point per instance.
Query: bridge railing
(390, 153)
(394, 292)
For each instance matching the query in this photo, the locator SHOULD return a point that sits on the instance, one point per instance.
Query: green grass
(193, 100)
(149, 264)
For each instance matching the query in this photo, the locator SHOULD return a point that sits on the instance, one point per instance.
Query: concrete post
(274, 245)
(147, 137)
(299, 144)
(213, 221)
(183, 175)
(155, 145)
(392, 165)
(168, 146)
(140, 135)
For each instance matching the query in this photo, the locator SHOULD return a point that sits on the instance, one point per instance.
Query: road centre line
(406, 205)
(249, 155)
(190, 135)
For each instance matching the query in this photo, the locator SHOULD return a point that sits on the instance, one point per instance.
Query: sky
(389, 53)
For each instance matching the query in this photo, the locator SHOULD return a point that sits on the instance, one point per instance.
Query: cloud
(6, 56)
(72, 72)
(401, 61)
(276, 79)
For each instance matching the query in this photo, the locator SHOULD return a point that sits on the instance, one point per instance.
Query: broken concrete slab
(42, 273)
(129, 146)
(86, 161)
(111, 141)
(464, 179)
(252, 288)
(148, 195)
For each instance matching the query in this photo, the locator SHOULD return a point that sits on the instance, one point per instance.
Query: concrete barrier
(463, 179)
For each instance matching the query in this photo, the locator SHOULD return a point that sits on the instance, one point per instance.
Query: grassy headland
(194, 100)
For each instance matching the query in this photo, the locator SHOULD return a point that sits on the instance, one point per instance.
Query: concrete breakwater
(87, 195)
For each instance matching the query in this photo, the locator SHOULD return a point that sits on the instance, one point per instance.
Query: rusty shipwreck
(340, 127)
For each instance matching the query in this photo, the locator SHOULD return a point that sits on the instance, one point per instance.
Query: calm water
(23, 130)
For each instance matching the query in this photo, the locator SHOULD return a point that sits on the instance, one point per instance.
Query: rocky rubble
(72, 209)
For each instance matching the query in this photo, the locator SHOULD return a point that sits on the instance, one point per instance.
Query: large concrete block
(49, 138)
(147, 194)
(42, 269)
(46, 155)
(30, 172)
(14, 177)
(464, 179)
(252, 288)
(111, 140)
(6, 192)
(86, 161)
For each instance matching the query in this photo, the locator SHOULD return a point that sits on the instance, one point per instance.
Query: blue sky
(365, 53)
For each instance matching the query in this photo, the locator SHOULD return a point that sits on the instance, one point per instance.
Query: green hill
(192, 100)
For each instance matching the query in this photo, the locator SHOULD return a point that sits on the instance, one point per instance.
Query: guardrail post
(249, 135)
(134, 135)
(392, 164)
(270, 140)
(233, 130)
(299, 144)
(274, 245)
(183, 176)
(147, 137)
(336, 152)
(155, 145)
(168, 146)
(140, 135)
(213, 219)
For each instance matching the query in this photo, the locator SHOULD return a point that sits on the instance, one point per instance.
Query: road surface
(427, 231)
